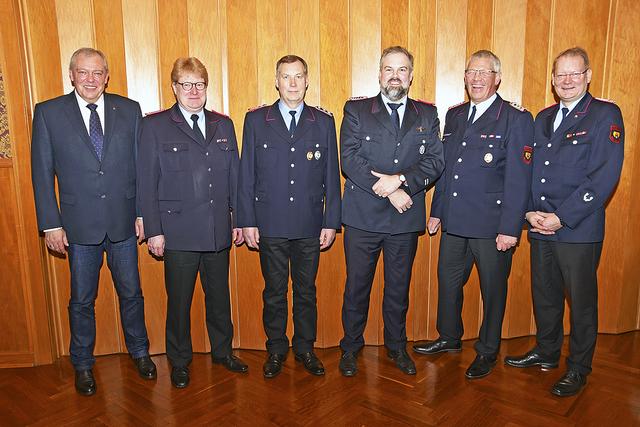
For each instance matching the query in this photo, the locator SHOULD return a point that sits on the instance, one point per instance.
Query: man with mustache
(579, 154)
(480, 202)
(390, 153)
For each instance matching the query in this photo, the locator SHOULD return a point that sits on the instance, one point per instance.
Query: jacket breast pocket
(228, 151)
(266, 155)
(174, 156)
(574, 151)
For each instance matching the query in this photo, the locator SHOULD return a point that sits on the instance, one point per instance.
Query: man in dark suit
(188, 172)
(96, 174)
(390, 153)
(480, 202)
(578, 159)
(289, 208)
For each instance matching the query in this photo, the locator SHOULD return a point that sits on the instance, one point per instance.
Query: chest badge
(488, 158)
(309, 155)
(421, 150)
(317, 155)
(527, 154)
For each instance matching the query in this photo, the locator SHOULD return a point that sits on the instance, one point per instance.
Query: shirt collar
(573, 104)
(83, 104)
(284, 109)
(187, 114)
(386, 101)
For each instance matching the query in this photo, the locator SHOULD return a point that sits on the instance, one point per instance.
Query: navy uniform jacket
(576, 168)
(368, 141)
(289, 187)
(97, 198)
(484, 190)
(188, 190)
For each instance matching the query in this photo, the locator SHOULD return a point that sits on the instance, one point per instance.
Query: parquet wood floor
(380, 395)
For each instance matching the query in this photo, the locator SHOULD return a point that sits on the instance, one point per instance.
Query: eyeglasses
(573, 76)
(471, 72)
(187, 86)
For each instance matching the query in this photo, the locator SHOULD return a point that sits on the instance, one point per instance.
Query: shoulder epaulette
(153, 113)
(457, 105)
(219, 113)
(256, 108)
(606, 100)
(319, 108)
(549, 106)
(357, 98)
(422, 101)
(518, 107)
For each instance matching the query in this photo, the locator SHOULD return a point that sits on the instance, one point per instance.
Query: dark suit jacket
(368, 141)
(188, 189)
(580, 164)
(289, 187)
(96, 198)
(484, 189)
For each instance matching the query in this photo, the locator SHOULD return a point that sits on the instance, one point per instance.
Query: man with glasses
(391, 153)
(188, 172)
(479, 202)
(289, 208)
(87, 139)
(578, 160)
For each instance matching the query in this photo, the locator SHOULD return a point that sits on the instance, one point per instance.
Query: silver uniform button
(455, 194)
(207, 153)
(293, 149)
(546, 163)
(574, 142)
(210, 185)
(455, 176)
(490, 145)
(395, 160)
(209, 169)
(498, 201)
(265, 145)
(292, 182)
(291, 199)
(464, 144)
(103, 196)
(459, 159)
(542, 180)
(211, 201)
(317, 145)
(175, 149)
(543, 198)
(549, 145)
(292, 165)
(368, 138)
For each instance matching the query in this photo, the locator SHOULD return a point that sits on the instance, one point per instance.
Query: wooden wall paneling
(365, 43)
(335, 88)
(480, 26)
(243, 89)
(508, 42)
(618, 281)
(395, 23)
(422, 43)
(271, 31)
(109, 38)
(304, 40)
(141, 52)
(207, 39)
(26, 246)
(173, 43)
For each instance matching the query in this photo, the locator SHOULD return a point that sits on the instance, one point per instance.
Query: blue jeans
(85, 262)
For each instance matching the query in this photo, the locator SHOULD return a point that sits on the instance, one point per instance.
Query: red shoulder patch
(615, 134)
(152, 113)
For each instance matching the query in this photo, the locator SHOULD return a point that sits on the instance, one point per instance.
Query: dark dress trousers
(188, 194)
(483, 192)
(289, 188)
(575, 171)
(369, 142)
(97, 211)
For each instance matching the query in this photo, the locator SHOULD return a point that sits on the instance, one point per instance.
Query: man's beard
(394, 93)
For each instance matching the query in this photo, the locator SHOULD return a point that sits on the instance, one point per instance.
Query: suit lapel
(179, 121)
(410, 117)
(110, 115)
(489, 116)
(276, 122)
(77, 123)
(307, 119)
(381, 114)
(211, 121)
(573, 117)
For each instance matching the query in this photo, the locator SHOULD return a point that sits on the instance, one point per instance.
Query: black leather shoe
(85, 383)
(348, 364)
(232, 363)
(403, 361)
(311, 363)
(273, 365)
(438, 346)
(480, 367)
(146, 367)
(180, 377)
(529, 360)
(570, 384)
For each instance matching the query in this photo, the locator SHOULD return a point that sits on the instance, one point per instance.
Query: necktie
(95, 130)
(292, 126)
(395, 117)
(196, 128)
(472, 116)
(565, 112)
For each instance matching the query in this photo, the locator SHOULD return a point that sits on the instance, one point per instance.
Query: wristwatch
(403, 179)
